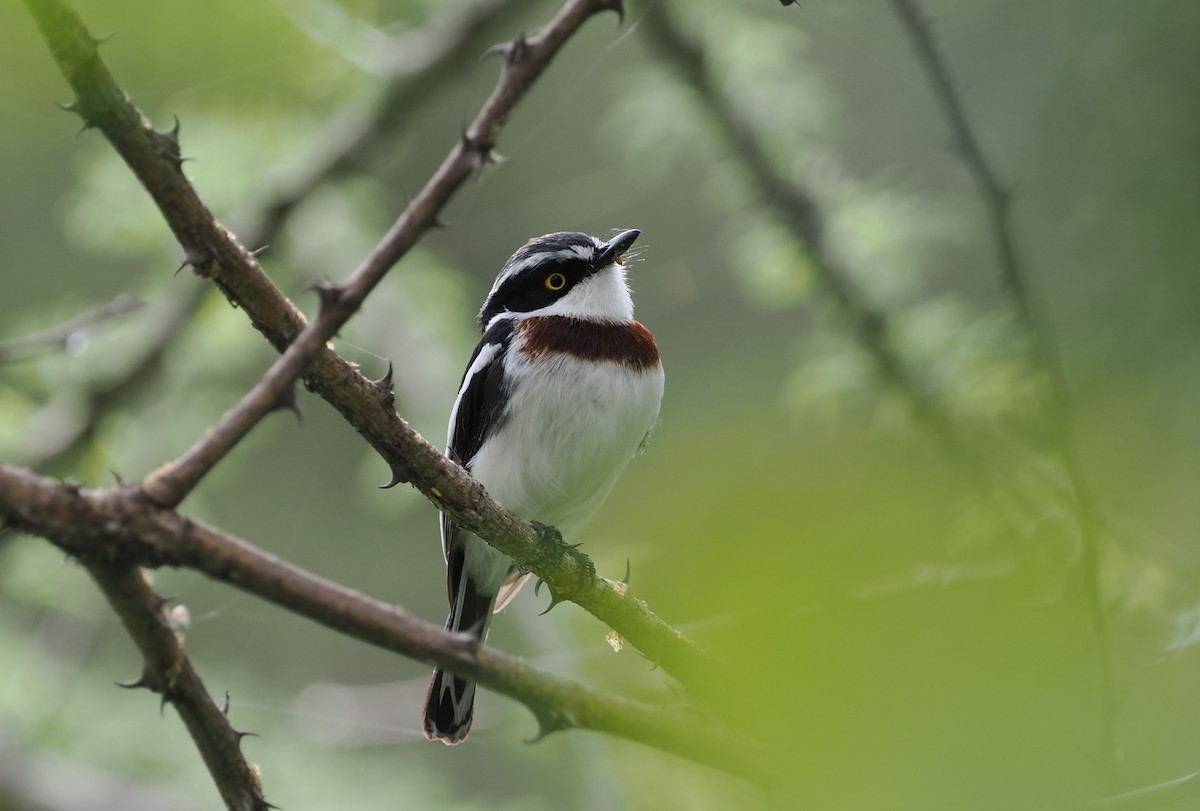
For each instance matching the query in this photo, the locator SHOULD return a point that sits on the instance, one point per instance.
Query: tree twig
(355, 138)
(63, 445)
(1061, 440)
(367, 405)
(118, 527)
(168, 672)
(59, 336)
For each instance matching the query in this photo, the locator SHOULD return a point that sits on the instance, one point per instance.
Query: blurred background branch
(797, 210)
(1059, 434)
(59, 338)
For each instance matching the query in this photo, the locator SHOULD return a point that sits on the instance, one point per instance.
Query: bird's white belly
(569, 430)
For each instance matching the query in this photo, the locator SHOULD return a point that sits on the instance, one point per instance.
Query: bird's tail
(449, 707)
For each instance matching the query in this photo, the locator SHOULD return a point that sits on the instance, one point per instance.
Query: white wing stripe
(484, 359)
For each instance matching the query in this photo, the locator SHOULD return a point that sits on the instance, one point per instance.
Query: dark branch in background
(453, 37)
(112, 529)
(1060, 439)
(797, 210)
(168, 672)
(365, 404)
(60, 336)
(65, 444)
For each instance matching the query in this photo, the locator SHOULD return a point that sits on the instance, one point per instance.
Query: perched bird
(562, 390)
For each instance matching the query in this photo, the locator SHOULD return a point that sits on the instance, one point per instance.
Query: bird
(561, 392)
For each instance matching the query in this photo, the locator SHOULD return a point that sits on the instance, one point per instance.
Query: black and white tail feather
(561, 391)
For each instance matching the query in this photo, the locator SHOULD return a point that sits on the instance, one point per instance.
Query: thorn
(386, 380)
(192, 260)
(614, 5)
(494, 158)
(544, 730)
(554, 600)
(172, 134)
(70, 107)
(87, 125)
(103, 38)
(499, 49)
(438, 222)
(517, 50)
(257, 252)
(116, 476)
(328, 293)
(397, 478)
(385, 388)
(168, 144)
(537, 587)
(141, 681)
(239, 734)
(225, 706)
(290, 402)
(473, 143)
(627, 572)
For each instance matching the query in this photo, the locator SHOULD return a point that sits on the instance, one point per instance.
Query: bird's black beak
(616, 246)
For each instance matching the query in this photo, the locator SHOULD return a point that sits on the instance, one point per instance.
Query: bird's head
(566, 273)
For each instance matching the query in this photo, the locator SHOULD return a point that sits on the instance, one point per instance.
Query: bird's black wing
(478, 411)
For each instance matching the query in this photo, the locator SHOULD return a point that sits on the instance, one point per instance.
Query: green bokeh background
(896, 639)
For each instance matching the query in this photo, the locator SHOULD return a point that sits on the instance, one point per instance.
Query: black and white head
(565, 273)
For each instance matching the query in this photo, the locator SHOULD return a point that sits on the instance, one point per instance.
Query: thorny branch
(168, 672)
(366, 404)
(214, 253)
(1060, 438)
(112, 529)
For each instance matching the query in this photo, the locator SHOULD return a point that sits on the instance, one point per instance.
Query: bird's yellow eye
(556, 282)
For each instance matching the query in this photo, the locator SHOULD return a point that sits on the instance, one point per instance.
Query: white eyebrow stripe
(578, 252)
